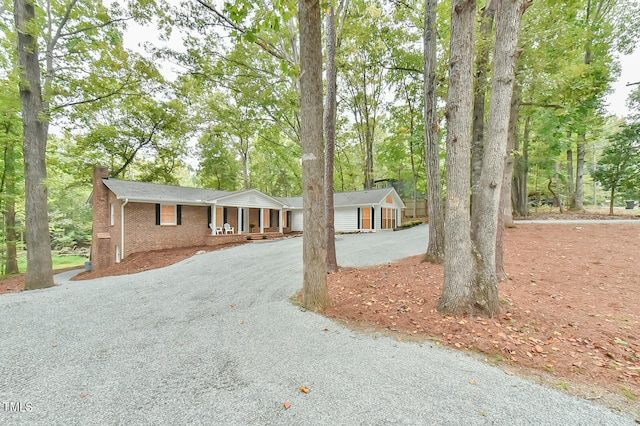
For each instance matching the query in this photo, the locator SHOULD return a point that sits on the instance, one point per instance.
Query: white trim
(261, 220)
(126, 201)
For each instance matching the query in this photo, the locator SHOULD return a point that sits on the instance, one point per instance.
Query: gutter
(126, 201)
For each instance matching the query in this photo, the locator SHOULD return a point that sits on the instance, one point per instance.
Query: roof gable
(355, 198)
(250, 198)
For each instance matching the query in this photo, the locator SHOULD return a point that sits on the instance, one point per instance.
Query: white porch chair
(215, 230)
(228, 229)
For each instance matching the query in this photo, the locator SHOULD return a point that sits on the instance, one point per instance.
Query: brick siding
(142, 233)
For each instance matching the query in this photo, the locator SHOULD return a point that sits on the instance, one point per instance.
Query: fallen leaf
(83, 395)
(287, 405)
(305, 389)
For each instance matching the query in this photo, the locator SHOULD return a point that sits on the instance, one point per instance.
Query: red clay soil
(570, 317)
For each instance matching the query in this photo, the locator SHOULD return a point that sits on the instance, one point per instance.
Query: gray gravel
(215, 340)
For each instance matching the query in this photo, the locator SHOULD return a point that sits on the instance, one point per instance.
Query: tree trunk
(508, 21)
(11, 265)
(521, 167)
(512, 137)
(577, 201)
(505, 213)
(314, 250)
(330, 138)
(556, 176)
(435, 247)
(570, 186)
(460, 292)
(39, 264)
(482, 61)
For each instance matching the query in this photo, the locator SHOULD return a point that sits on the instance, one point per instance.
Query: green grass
(59, 262)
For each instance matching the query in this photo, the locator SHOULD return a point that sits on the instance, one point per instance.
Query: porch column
(214, 220)
(280, 221)
(239, 224)
(261, 221)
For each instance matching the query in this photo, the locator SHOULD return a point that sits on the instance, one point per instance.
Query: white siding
(296, 220)
(252, 199)
(346, 219)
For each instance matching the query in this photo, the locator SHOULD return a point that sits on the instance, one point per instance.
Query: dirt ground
(570, 317)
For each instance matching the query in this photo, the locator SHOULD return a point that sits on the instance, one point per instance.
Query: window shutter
(157, 214)
(373, 218)
(179, 214)
(358, 222)
(209, 215)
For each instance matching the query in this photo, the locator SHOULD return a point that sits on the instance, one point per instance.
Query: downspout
(126, 201)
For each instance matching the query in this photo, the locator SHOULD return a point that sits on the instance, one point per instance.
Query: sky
(630, 74)
(136, 36)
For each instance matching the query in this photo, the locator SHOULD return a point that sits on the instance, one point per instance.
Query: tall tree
(460, 294)
(363, 63)
(330, 136)
(315, 291)
(479, 98)
(619, 165)
(34, 116)
(436, 245)
(485, 228)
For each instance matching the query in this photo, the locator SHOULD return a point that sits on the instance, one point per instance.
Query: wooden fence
(420, 208)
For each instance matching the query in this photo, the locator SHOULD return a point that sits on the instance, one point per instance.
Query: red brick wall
(142, 233)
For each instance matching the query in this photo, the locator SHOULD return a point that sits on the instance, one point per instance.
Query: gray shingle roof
(153, 192)
(158, 193)
(344, 199)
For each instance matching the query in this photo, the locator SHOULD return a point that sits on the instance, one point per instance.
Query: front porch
(222, 239)
(248, 220)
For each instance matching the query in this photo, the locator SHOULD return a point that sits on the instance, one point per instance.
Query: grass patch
(407, 225)
(59, 262)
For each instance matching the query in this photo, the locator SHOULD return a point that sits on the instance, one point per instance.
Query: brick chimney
(101, 256)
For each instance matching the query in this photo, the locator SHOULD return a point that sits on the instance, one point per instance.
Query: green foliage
(619, 166)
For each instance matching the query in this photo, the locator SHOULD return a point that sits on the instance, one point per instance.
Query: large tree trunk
(314, 250)
(435, 248)
(480, 92)
(330, 138)
(39, 264)
(459, 295)
(493, 163)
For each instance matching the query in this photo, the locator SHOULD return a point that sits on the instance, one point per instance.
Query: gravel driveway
(215, 340)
